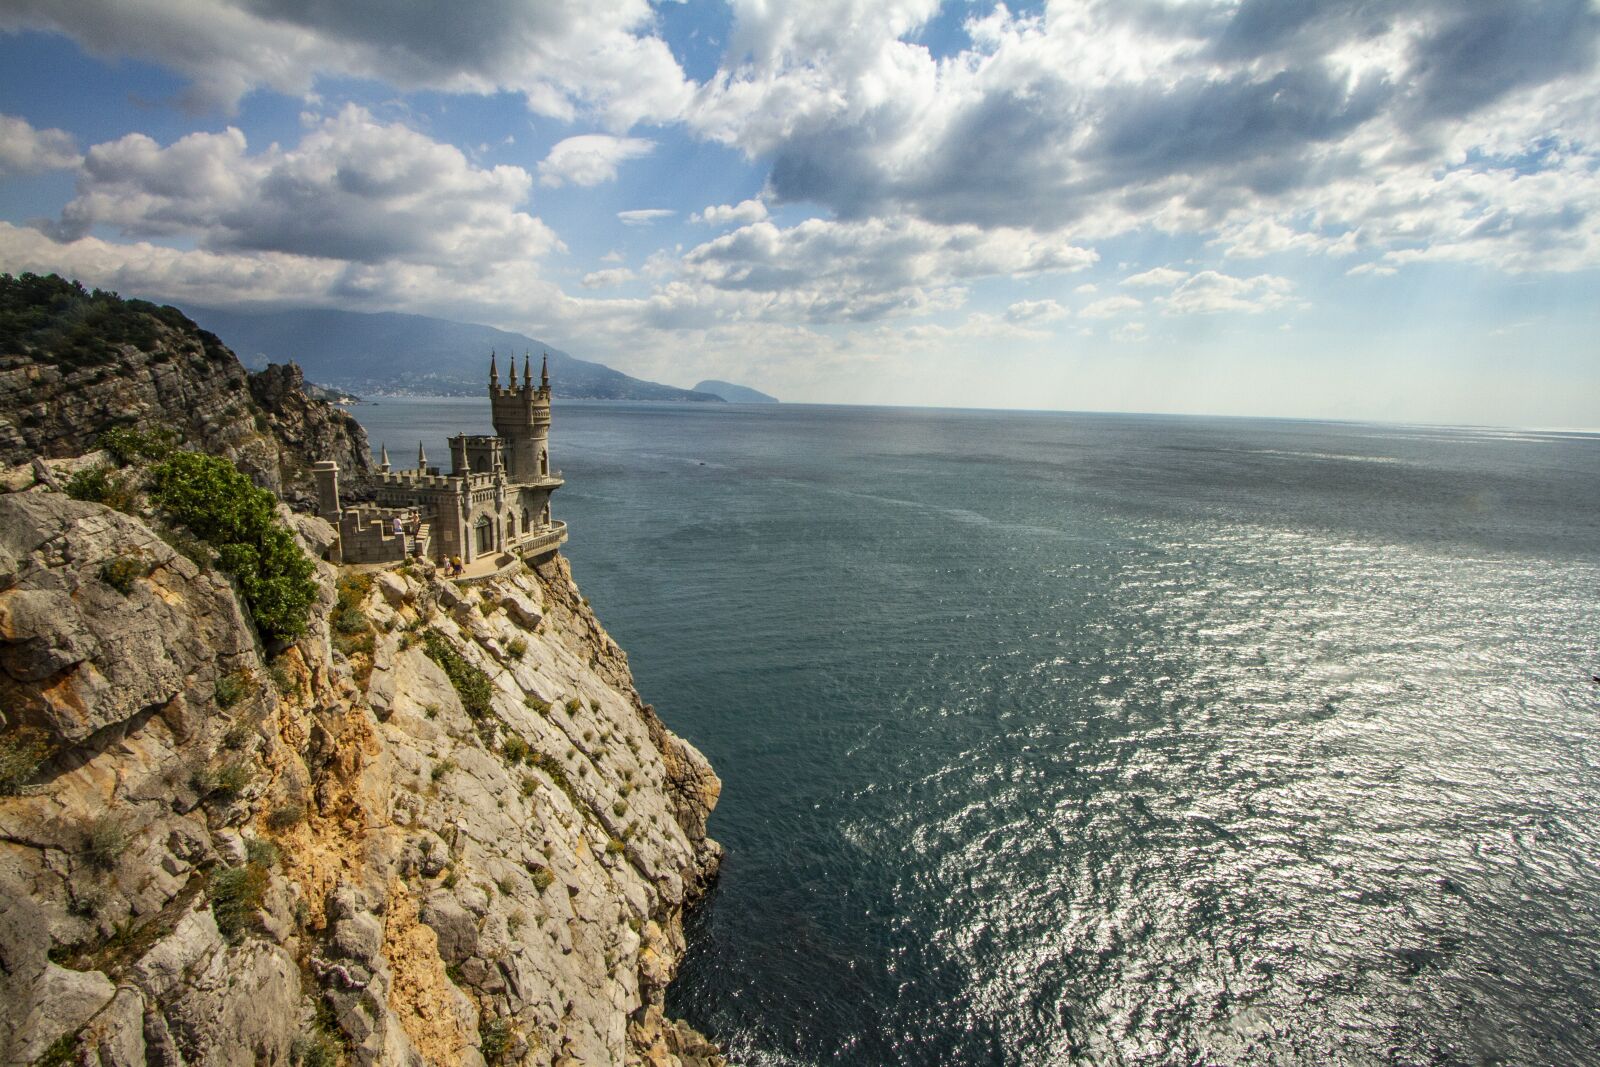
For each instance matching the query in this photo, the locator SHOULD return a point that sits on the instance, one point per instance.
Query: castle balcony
(542, 541)
(534, 546)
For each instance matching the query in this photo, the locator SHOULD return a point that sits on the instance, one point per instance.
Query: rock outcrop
(74, 365)
(442, 828)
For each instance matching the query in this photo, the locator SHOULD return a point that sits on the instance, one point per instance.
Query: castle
(494, 503)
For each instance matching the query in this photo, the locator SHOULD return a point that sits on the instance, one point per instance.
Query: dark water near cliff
(1110, 738)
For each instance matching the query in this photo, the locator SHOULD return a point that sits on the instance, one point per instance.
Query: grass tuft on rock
(22, 752)
(471, 684)
(236, 897)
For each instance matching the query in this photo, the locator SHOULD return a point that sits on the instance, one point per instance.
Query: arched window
(527, 521)
(544, 462)
(544, 516)
(485, 535)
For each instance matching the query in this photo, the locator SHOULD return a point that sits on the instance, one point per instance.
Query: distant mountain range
(394, 353)
(734, 394)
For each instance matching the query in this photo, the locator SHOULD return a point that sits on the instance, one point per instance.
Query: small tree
(210, 496)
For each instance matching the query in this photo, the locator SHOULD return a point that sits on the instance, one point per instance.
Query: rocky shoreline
(440, 828)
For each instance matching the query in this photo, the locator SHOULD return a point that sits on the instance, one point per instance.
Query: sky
(1354, 209)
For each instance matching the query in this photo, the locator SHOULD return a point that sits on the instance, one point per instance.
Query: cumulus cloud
(1209, 292)
(354, 189)
(1235, 120)
(644, 216)
(1039, 311)
(740, 214)
(602, 279)
(25, 150)
(589, 159)
(1110, 306)
(828, 270)
(565, 59)
(1156, 278)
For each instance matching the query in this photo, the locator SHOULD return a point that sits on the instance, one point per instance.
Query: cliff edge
(440, 828)
(75, 363)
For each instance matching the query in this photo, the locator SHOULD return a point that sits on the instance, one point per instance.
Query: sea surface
(1112, 739)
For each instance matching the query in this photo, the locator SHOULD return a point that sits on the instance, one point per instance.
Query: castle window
(527, 521)
(485, 535)
(544, 462)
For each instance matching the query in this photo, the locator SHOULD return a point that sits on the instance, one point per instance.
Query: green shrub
(558, 775)
(105, 840)
(120, 572)
(261, 853)
(129, 446)
(516, 648)
(494, 1040)
(615, 846)
(62, 1052)
(442, 768)
(515, 748)
(541, 706)
(225, 782)
(213, 499)
(573, 705)
(22, 752)
(471, 684)
(283, 679)
(286, 815)
(99, 485)
(234, 687)
(236, 896)
(316, 1049)
(543, 878)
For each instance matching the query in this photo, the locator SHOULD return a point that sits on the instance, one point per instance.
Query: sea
(1054, 738)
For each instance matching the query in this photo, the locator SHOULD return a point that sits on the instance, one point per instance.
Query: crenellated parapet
(495, 498)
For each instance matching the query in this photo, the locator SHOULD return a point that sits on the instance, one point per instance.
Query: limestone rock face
(57, 399)
(307, 429)
(456, 835)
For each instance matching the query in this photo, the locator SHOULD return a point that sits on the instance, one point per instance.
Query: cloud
(25, 150)
(1025, 311)
(644, 216)
(1110, 306)
(1209, 292)
(1239, 120)
(589, 159)
(353, 189)
(1131, 333)
(564, 59)
(1156, 278)
(740, 214)
(601, 279)
(833, 271)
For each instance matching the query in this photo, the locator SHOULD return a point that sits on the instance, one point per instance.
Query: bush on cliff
(211, 497)
(472, 685)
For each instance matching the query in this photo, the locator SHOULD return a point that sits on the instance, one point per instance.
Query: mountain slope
(734, 394)
(389, 352)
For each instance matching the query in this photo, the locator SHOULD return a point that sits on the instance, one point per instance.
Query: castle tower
(521, 415)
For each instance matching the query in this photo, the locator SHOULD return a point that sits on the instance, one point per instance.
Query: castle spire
(422, 459)
(383, 459)
(544, 372)
(527, 375)
(494, 372)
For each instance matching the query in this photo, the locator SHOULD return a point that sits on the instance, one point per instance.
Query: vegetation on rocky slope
(209, 496)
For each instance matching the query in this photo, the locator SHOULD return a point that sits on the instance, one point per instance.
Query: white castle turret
(521, 416)
(495, 501)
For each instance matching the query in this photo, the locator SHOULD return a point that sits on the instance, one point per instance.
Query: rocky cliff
(74, 364)
(440, 828)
